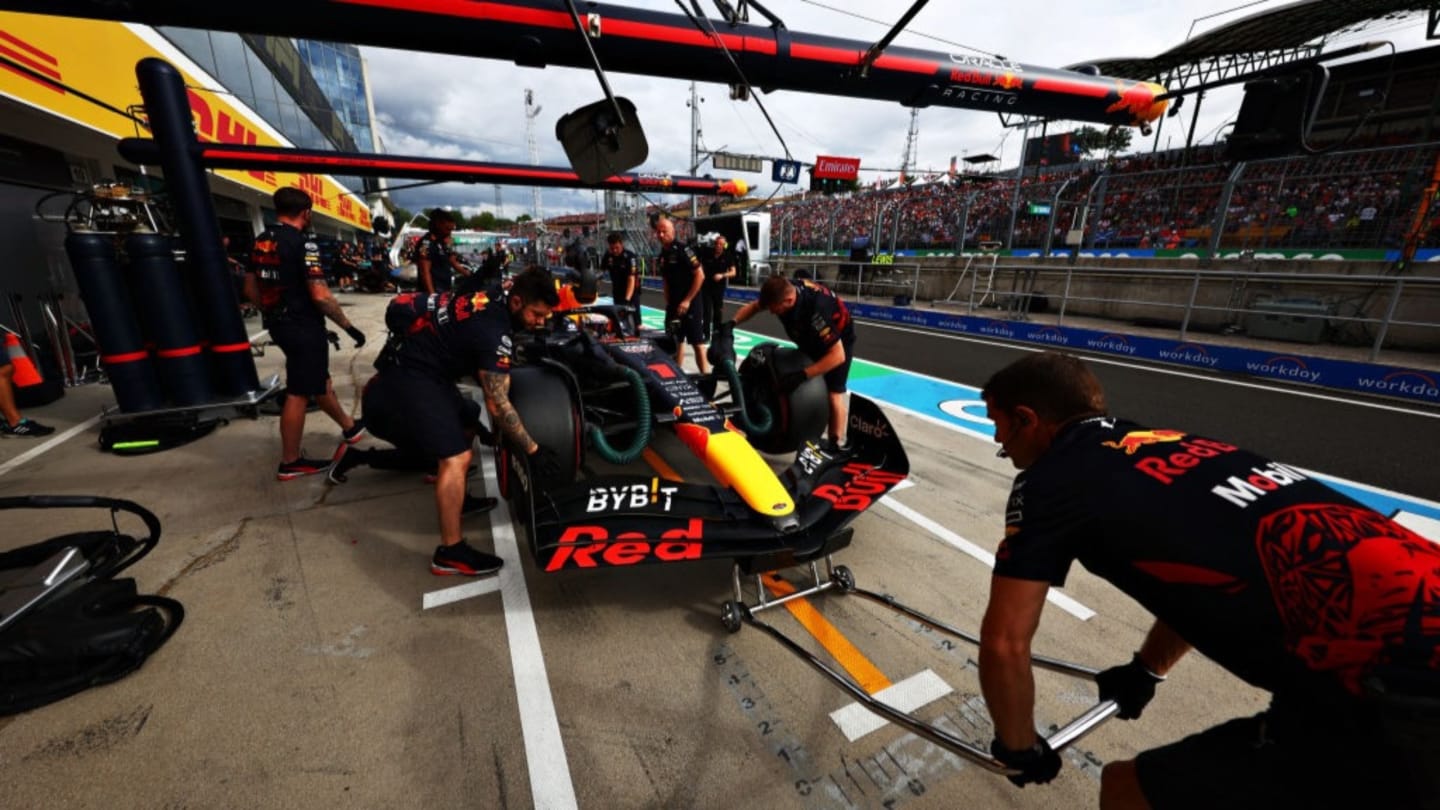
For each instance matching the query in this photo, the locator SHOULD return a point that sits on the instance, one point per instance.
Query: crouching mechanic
(819, 323)
(414, 404)
(1289, 585)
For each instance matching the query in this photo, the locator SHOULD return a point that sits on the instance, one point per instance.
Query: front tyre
(799, 416)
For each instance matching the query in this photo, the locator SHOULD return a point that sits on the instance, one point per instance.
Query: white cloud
(470, 108)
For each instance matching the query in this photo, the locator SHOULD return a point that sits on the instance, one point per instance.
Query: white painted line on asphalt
(49, 445)
(469, 590)
(906, 484)
(1138, 366)
(550, 786)
(916, 691)
(1428, 528)
(1060, 600)
(1389, 493)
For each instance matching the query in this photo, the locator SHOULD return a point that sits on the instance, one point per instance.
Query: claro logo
(875, 430)
(592, 547)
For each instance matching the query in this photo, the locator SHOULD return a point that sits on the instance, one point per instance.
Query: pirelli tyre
(549, 407)
(797, 417)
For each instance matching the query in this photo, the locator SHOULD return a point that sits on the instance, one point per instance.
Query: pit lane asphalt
(1334, 432)
(309, 673)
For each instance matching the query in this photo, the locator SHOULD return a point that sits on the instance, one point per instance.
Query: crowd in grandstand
(1355, 199)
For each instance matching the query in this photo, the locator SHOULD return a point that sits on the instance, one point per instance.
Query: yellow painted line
(869, 676)
(864, 673)
(660, 467)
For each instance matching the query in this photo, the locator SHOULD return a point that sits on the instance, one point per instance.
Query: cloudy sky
(473, 109)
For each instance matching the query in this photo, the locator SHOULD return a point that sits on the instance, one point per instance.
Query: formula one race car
(593, 389)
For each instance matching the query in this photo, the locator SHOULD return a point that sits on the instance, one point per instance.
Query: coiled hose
(747, 424)
(642, 418)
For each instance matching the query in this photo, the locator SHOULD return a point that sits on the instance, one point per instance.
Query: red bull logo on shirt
(1136, 439)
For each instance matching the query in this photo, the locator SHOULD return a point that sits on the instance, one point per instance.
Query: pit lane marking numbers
(813, 788)
(916, 691)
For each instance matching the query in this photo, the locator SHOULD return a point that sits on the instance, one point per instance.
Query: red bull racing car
(596, 391)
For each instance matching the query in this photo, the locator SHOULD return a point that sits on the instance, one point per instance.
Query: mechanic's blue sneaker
(464, 560)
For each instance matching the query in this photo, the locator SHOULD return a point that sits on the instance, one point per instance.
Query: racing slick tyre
(550, 412)
(801, 415)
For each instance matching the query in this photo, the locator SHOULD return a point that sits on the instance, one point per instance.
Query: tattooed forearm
(331, 309)
(502, 413)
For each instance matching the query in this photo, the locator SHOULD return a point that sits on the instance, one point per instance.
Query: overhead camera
(1146, 130)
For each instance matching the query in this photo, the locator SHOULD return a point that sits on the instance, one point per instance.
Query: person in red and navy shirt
(413, 402)
(1284, 582)
(436, 264)
(819, 323)
(286, 282)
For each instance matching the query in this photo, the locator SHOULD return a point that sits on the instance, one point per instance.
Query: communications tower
(912, 144)
(531, 111)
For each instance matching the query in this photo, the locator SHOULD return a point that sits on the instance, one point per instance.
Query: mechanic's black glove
(791, 380)
(355, 335)
(546, 464)
(333, 338)
(1131, 685)
(1038, 764)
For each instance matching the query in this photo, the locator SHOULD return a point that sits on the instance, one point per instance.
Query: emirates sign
(836, 168)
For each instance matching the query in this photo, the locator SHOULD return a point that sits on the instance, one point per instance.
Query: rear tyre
(801, 415)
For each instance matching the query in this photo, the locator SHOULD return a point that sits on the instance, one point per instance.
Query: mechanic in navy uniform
(414, 404)
(623, 267)
(819, 323)
(719, 266)
(286, 282)
(436, 264)
(682, 277)
(1284, 582)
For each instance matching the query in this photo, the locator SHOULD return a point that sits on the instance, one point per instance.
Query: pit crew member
(414, 404)
(719, 266)
(436, 264)
(1285, 583)
(819, 323)
(682, 278)
(623, 267)
(286, 282)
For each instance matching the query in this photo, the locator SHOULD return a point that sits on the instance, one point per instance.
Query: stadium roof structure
(1265, 39)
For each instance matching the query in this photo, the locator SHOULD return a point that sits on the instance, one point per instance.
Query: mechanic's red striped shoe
(355, 433)
(464, 560)
(301, 467)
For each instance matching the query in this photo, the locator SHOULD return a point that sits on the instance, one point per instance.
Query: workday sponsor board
(1364, 378)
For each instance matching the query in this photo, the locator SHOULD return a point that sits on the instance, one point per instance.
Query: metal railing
(1372, 311)
(1309, 307)
(858, 279)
